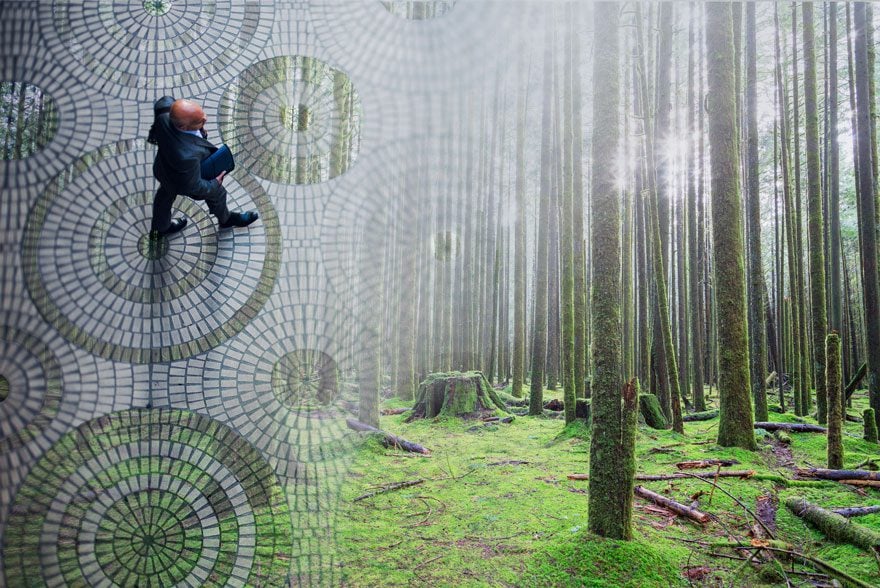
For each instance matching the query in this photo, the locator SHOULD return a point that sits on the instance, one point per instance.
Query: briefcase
(218, 162)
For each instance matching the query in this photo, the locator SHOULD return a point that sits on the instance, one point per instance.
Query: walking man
(179, 131)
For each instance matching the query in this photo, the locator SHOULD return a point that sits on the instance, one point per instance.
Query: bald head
(187, 115)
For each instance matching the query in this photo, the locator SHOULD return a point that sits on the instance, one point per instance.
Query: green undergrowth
(581, 559)
(497, 508)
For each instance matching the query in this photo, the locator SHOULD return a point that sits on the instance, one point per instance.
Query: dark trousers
(164, 200)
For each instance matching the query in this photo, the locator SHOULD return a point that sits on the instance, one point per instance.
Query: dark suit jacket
(178, 160)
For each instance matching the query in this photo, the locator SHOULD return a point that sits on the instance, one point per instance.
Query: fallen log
(676, 507)
(856, 511)
(791, 551)
(826, 474)
(869, 483)
(794, 427)
(388, 440)
(834, 526)
(663, 477)
(854, 383)
(705, 463)
(393, 411)
(700, 416)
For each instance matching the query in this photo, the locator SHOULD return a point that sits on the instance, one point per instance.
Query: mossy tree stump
(456, 394)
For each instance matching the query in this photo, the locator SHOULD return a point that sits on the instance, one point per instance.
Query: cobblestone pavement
(172, 411)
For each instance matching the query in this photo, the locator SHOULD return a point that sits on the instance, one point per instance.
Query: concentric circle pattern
(143, 49)
(69, 122)
(292, 120)
(97, 276)
(30, 386)
(279, 384)
(305, 378)
(149, 498)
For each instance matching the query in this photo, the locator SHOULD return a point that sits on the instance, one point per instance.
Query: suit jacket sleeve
(196, 186)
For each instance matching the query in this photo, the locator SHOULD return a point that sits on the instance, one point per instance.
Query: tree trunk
(815, 221)
(539, 318)
(867, 212)
(735, 425)
(757, 330)
(835, 406)
(612, 443)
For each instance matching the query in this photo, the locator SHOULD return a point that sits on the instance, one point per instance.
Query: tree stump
(456, 394)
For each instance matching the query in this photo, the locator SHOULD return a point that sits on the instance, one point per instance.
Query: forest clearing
(493, 505)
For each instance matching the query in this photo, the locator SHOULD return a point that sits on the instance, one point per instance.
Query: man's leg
(217, 205)
(162, 203)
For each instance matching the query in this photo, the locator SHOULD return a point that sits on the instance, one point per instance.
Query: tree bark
(735, 425)
(612, 443)
(867, 211)
(816, 222)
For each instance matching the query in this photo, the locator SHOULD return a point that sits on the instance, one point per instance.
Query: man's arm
(196, 186)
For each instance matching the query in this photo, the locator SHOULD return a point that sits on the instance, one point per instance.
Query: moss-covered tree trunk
(456, 394)
(612, 443)
(867, 208)
(695, 268)
(539, 317)
(757, 328)
(736, 418)
(578, 248)
(790, 229)
(567, 230)
(519, 263)
(816, 222)
(833, 387)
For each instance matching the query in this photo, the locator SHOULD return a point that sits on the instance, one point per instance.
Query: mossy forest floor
(497, 509)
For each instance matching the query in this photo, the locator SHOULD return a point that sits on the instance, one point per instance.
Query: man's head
(187, 115)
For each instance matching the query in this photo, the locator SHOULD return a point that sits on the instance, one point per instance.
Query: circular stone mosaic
(141, 50)
(279, 383)
(95, 273)
(305, 377)
(149, 498)
(293, 120)
(30, 386)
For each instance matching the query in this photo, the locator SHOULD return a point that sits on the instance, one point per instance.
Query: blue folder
(219, 161)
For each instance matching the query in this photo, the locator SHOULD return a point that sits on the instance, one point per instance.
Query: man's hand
(220, 178)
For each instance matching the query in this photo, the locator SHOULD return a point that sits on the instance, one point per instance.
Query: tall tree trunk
(736, 418)
(835, 321)
(804, 377)
(567, 230)
(867, 208)
(519, 265)
(790, 232)
(757, 329)
(612, 443)
(579, 254)
(816, 222)
(666, 365)
(539, 326)
(695, 270)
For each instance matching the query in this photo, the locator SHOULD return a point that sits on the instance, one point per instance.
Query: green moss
(582, 559)
(507, 503)
(649, 406)
(870, 434)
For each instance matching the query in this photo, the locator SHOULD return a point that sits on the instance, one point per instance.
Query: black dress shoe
(176, 226)
(240, 219)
